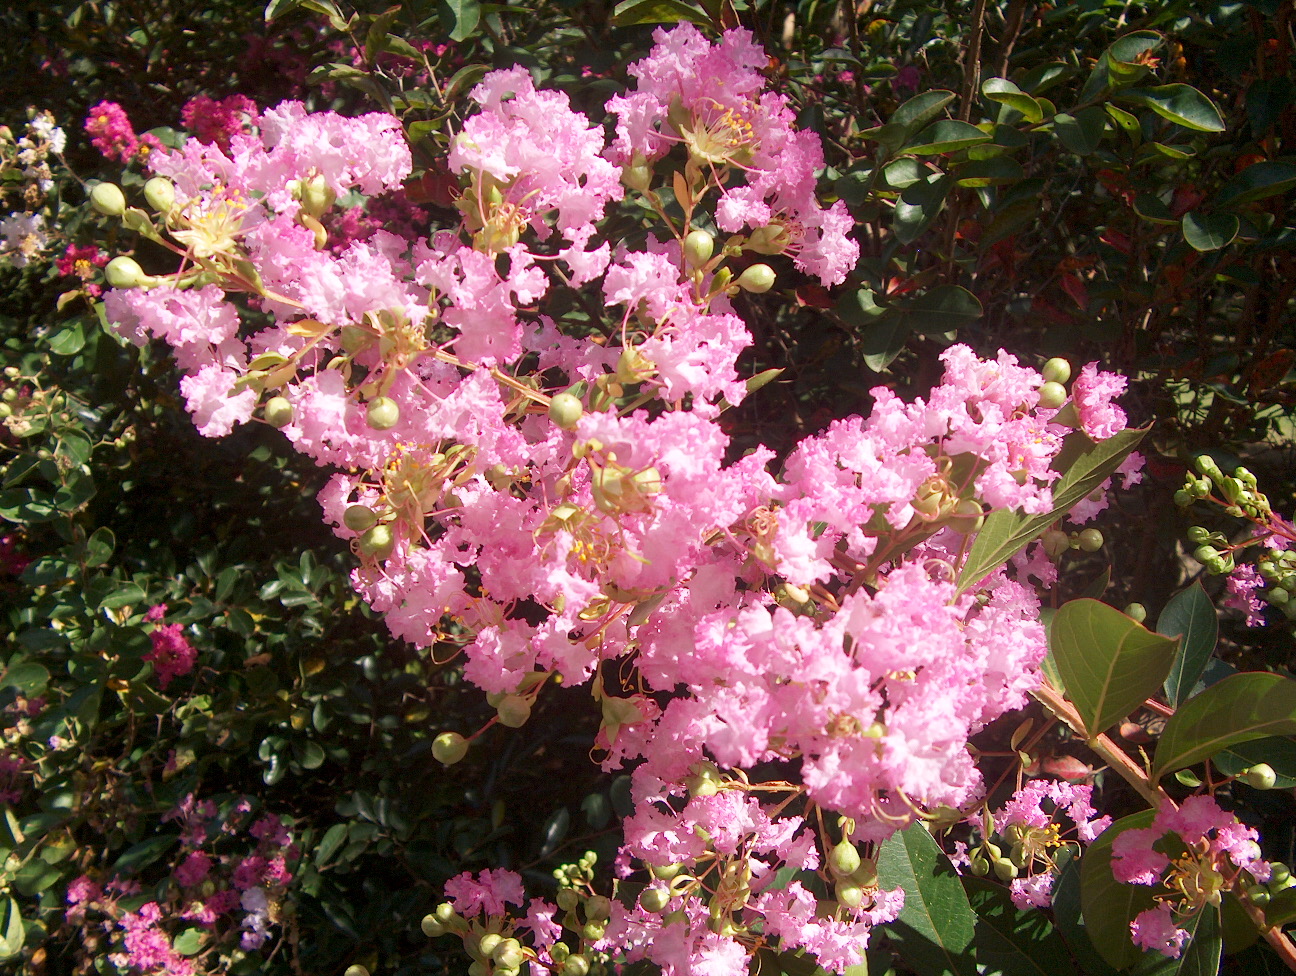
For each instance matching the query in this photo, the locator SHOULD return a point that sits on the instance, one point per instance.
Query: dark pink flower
(172, 655)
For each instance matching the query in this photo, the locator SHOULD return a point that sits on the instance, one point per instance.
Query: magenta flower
(172, 654)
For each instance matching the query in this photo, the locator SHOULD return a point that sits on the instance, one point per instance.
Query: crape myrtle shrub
(214, 714)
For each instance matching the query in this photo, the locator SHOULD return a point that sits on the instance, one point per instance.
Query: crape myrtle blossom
(534, 474)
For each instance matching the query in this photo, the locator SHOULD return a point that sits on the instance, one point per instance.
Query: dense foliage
(217, 756)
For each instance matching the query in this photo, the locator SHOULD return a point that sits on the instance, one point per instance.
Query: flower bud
(1052, 395)
(1136, 611)
(449, 747)
(1004, 869)
(699, 245)
(383, 413)
(1183, 498)
(598, 908)
(509, 954)
(432, 927)
(757, 279)
(1056, 370)
(377, 542)
(1055, 543)
(1260, 777)
(479, 968)
(664, 872)
(1258, 895)
(844, 859)
(317, 196)
(1206, 554)
(565, 410)
(1277, 596)
(1091, 540)
(593, 931)
(980, 866)
(1206, 466)
(278, 412)
(514, 711)
(125, 272)
(654, 900)
(638, 174)
(576, 965)
(567, 899)
(849, 894)
(359, 518)
(108, 199)
(356, 970)
(1198, 534)
(159, 192)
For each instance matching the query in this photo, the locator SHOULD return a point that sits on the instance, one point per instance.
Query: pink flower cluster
(172, 655)
(1197, 852)
(111, 133)
(540, 479)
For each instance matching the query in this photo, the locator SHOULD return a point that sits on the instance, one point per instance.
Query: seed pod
(576, 965)
(1260, 777)
(1052, 396)
(849, 894)
(278, 412)
(449, 747)
(1136, 611)
(843, 860)
(377, 542)
(1091, 540)
(108, 199)
(698, 246)
(1004, 869)
(567, 898)
(383, 413)
(1055, 543)
(757, 279)
(125, 272)
(508, 954)
(980, 866)
(654, 900)
(359, 518)
(514, 711)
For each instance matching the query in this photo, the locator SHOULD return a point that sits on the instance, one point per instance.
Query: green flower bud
(445, 913)
(664, 872)
(432, 927)
(1183, 498)
(359, 518)
(1055, 543)
(1206, 466)
(699, 245)
(377, 542)
(449, 747)
(479, 968)
(1206, 554)
(1056, 370)
(654, 900)
(593, 931)
(1260, 777)
(108, 199)
(1198, 534)
(278, 412)
(1277, 596)
(992, 851)
(1258, 895)
(1091, 540)
(125, 272)
(849, 894)
(598, 908)
(514, 711)
(844, 860)
(638, 175)
(159, 192)
(1136, 611)
(1004, 869)
(565, 410)
(1052, 395)
(316, 196)
(1281, 873)
(567, 898)
(576, 965)
(383, 413)
(509, 954)
(980, 866)
(356, 970)
(757, 279)
(488, 943)
(866, 874)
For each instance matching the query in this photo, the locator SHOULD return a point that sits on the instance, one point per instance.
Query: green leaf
(1210, 232)
(1012, 942)
(941, 309)
(919, 110)
(69, 341)
(629, 13)
(1265, 179)
(1238, 709)
(1084, 465)
(1109, 663)
(918, 206)
(120, 595)
(946, 135)
(884, 340)
(464, 14)
(902, 173)
(1083, 132)
(330, 844)
(15, 934)
(1004, 92)
(1070, 919)
(27, 676)
(934, 932)
(989, 172)
(309, 754)
(1278, 751)
(1190, 616)
(1108, 905)
(554, 831)
(1182, 104)
(100, 546)
(1201, 954)
(189, 942)
(143, 854)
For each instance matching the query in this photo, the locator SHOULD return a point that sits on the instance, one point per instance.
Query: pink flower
(1156, 929)
(1242, 585)
(216, 121)
(1092, 393)
(490, 892)
(172, 655)
(111, 132)
(193, 869)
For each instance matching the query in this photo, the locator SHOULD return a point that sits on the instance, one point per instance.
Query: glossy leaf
(1238, 709)
(934, 932)
(629, 13)
(941, 309)
(996, 171)
(1181, 104)
(918, 206)
(1278, 751)
(464, 14)
(1210, 232)
(554, 830)
(1004, 92)
(1082, 133)
(1012, 942)
(1108, 905)
(1084, 465)
(946, 135)
(1069, 917)
(1256, 182)
(12, 931)
(884, 340)
(1109, 663)
(921, 109)
(1189, 615)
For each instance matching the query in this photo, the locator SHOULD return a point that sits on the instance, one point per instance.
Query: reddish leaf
(1075, 287)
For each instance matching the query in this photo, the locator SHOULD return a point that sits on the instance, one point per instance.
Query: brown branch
(972, 61)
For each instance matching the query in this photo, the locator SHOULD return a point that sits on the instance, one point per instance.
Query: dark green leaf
(1181, 104)
(884, 340)
(121, 595)
(1070, 919)
(100, 546)
(1247, 706)
(1108, 905)
(1265, 179)
(68, 341)
(944, 308)
(463, 14)
(946, 135)
(1012, 942)
(1210, 232)
(1084, 466)
(921, 109)
(1083, 132)
(143, 854)
(12, 927)
(28, 677)
(1004, 92)
(1279, 752)
(555, 829)
(628, 13)
(1190, 616)
(918, 206)
(329, 844)
(934, 932)
(1109, 663)
(989, 172)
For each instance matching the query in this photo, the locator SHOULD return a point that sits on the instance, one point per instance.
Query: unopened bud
(1052, 395)
(1260, 777)
(699, 245)
(654, 900)
(1136, 611)
(1090, 540)
(1056, 370)
(449, 747)
(278, 412)
(382, 413)
(159, 192)
(378, 542)
(844, 859)
(565, 410)
(1055, 543)
(757, 279)
(125, 272)
(108, 199)
(359, 518)
(514, 711)
(849, 894)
